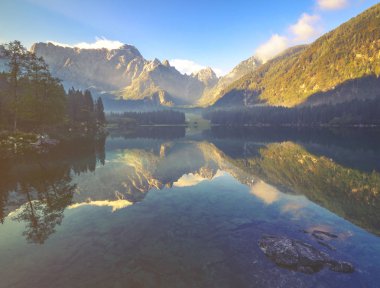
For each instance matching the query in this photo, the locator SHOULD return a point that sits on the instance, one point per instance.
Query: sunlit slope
(351, 51)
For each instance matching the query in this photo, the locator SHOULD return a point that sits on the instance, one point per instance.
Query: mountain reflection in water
(187, 211)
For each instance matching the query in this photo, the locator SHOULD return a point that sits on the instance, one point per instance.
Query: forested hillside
(351, 51)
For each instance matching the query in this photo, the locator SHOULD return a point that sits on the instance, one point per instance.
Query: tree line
(81, 108)
(162, 117)
(356, 112)
(31, 99)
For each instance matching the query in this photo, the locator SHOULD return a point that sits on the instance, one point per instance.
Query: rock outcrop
(300, 256)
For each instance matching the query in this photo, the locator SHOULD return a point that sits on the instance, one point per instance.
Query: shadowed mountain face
(367, 87)
(333, 69)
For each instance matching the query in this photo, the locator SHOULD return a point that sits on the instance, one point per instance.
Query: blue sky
(192, 33)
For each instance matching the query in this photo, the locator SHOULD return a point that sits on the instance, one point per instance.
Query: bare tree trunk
(16, 108)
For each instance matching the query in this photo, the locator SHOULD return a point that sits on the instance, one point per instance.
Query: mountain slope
(351, 51)
(243, 68)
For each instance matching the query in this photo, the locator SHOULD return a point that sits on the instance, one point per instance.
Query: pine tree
(17, 55)
(99, 112)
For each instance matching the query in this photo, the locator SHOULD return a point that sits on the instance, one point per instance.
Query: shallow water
(188, 211)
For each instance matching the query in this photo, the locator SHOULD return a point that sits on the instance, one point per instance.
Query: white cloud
(306, 27)
(218, 72)
(332, 4)
(188, 66)
(272, 47)
(98, 44)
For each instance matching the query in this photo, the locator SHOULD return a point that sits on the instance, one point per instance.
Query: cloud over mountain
(272, 47)
(186, 66)
(100, 42)
(306, 27)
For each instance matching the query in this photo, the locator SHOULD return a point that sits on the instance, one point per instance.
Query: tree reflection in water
(44, 184)
(41, 216)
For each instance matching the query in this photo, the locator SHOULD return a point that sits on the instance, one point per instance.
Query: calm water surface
(187, 211)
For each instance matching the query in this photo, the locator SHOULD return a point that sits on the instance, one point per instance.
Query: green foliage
(349, 52)
(30, 98)
(99, 111)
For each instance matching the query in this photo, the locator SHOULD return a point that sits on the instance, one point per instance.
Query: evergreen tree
(29, 94)
(99, 112)
(43, 102)
(88, 107)
(17, 55)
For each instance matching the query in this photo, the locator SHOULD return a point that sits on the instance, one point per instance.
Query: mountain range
(124, 74)
(342, 65)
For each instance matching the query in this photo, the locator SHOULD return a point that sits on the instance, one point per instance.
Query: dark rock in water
(300, 256)
(331, 235)
(319, 234)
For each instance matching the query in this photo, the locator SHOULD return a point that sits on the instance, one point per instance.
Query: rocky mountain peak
(166, 63)
(244, 67)
(130, 49)
(236, 73)
(152, 65)
(206, 76)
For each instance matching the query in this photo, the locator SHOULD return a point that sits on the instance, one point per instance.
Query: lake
(164, 208)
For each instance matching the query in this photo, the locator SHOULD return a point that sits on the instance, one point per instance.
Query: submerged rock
(300, 256)
(321, 235)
